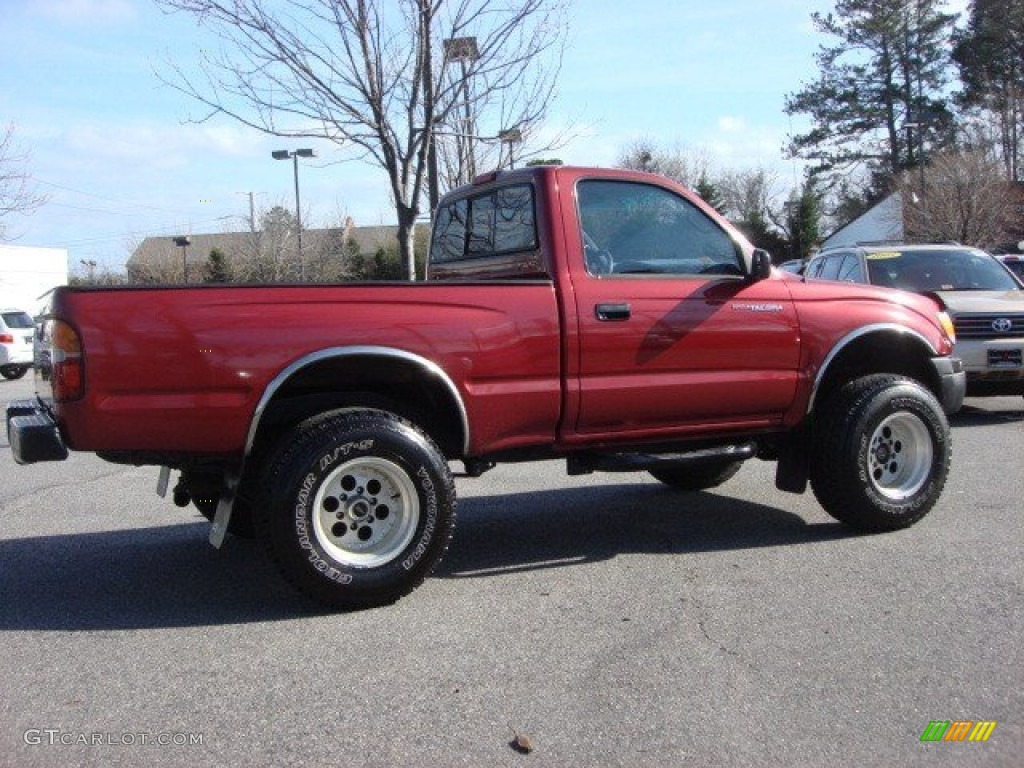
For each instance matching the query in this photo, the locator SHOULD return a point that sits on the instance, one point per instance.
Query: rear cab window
(492, 234)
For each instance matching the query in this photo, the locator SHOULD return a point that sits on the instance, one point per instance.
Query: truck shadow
(974, 416)
(565, 527)
(166, 576)
(169, 576)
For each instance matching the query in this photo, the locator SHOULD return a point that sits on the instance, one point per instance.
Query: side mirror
(760, 265)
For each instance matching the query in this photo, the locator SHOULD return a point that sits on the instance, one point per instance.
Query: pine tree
(879, 98)
(709, 193)
(217, 269)
(803, 220)
(990, 55)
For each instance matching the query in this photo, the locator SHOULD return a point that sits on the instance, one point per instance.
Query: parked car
(1013, 262)
(795, 266)
(985, 301)
(16, 330)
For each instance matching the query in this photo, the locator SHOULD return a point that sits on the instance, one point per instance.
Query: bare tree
(687, 166)
(17, 195)
(965, 197)
(751, 194)
(375, 74)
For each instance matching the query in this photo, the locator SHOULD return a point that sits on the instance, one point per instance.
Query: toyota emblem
(1002, 325)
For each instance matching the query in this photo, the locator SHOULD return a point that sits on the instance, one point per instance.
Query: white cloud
(730, 124)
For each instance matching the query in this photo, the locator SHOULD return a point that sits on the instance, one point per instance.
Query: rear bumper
(952, 382)
(33, 434)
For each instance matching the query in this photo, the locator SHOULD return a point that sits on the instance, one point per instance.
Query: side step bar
(585, 463)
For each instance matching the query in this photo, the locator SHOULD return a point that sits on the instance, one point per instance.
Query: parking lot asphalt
(607, 619)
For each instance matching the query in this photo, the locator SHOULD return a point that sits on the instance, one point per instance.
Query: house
(883, 221)
(892, 219)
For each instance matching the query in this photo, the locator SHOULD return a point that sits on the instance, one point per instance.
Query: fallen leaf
(521, 743)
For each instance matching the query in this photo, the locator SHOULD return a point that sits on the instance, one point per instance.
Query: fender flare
(853, 336)
(332, 353)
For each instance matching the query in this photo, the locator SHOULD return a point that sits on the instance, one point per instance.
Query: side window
(850, 270)
(830, 269)
(635, 228)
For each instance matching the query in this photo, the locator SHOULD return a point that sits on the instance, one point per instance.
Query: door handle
(612, 312)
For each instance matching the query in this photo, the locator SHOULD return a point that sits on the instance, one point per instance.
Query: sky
(116, 153)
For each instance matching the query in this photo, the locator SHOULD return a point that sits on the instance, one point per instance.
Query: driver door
(672, 336)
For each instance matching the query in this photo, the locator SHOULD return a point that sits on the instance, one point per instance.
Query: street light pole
(511, 137)
(465, 51)
(919, 126)
(284, 154)
(183, 242)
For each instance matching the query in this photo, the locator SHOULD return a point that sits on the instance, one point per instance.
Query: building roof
(883, 221)
(157, 251)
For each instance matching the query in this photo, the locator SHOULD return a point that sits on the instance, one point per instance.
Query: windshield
(935, 270)
(17, 319)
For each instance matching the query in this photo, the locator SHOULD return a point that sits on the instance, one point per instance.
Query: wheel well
(880, 352)
(397, 384)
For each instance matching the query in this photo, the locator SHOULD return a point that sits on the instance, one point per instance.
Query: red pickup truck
(609, 318)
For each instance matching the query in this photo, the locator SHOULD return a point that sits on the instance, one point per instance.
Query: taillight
(6, 338)
(66, 358)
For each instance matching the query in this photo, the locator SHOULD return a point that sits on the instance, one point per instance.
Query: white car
(1014, 263)
(16, 332)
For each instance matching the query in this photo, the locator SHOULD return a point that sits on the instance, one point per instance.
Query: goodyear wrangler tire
(882, 453)
(361, 508)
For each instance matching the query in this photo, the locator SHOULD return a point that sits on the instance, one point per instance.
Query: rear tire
(698, 476)
(13, 371)
(882, 453)
(361, 507)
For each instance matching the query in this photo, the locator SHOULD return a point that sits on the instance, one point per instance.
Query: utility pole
(252, 210)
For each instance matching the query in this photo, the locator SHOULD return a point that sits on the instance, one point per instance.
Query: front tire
(361, 508)
(882, 453)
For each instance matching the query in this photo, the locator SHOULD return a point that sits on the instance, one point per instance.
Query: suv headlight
(947, 325)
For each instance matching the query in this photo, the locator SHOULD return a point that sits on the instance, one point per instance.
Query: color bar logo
(958, 730)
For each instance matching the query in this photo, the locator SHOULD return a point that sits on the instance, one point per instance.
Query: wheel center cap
(359, 509)
(882, 453)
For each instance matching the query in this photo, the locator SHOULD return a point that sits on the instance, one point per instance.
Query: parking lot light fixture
(183, 242)
(510, 137)
(284, 154)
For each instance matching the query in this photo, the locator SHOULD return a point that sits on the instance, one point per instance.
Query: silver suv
(16, 331)
(984, 299)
